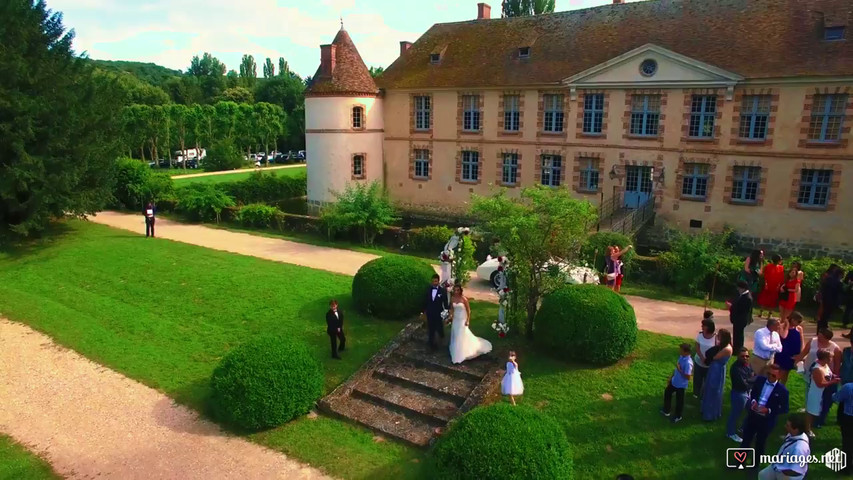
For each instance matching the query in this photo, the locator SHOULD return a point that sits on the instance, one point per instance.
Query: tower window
(358, 166)
(434, 57)
(833, 33)
(524, 52)
(357, 117)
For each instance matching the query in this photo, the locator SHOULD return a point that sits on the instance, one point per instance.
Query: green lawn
(237, 175)
(164, 313)
(17, 463)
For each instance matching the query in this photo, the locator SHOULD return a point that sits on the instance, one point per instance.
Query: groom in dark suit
(767, 400)
(335, 328)
(435, 302)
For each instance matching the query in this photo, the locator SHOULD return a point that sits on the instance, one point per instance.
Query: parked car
(488, 271)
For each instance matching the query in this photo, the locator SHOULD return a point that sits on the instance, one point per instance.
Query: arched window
(357, 117)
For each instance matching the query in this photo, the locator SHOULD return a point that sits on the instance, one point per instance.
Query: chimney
(618, 2)
(327, 59)
(404, 47)
(484, 12)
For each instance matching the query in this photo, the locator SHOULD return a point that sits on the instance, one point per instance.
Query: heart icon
(740, 457)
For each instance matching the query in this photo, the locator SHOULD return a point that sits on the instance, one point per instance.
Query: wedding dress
(464, 345)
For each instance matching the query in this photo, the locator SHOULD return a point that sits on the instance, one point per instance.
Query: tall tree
(542, 226)
(179, 116)
(269, 68)
(526, 8)
(283, 67)
(59, 132)
(376, 71)
(232, 79)
(237, 95)
(248, 71)
(210, 73)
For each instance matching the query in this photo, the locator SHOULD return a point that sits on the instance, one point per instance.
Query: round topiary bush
(265, 383)
(587, 323)
(391, 287)
(504, 442)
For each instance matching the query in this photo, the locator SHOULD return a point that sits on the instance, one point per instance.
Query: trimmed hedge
(265, 383)
(392, 287)
(600, 241)
(258, 215)
(586, 323)
(430, 239)
(266, 187)
(504, 442)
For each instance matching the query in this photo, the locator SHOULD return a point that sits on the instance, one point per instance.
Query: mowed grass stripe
(239, 175)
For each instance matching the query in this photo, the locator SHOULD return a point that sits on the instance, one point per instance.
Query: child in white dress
(511, 384)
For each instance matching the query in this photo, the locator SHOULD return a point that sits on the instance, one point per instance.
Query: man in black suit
(335, 328)
(740, 314)
(767, 400)
(435, 302)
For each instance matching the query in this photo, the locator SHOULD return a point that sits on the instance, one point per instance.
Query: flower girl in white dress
(511, 384)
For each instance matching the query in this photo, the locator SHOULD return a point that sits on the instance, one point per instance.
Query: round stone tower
(343, 123)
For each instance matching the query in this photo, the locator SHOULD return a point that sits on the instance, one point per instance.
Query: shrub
(501, 442)
(265, 383)
(587, 323)
(692, 259)
(263, 187)
(223, 156)
(258, 215)
(391, 287)
(430, 239)
(464, 263)
(202, 201)
(136, 184)
(600, 241)
(362, 207)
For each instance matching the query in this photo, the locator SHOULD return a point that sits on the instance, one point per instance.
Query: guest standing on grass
(767, 400)
(794, 446)
(712, 390)
(335, 328)
(793, 341)
(823, 341)
(148, 212)
(752, 270)
(766, 345)
(706, 339)
(774, 276)
(742, 379)
(740, 313)
(820, 377)
(677, 384)
(788, 294)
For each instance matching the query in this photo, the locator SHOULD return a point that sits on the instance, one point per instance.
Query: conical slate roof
(350, 75)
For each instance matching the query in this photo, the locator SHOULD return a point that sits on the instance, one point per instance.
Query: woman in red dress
(788, 294)
(774, 275)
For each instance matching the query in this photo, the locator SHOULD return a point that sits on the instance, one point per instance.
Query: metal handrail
(632, 222)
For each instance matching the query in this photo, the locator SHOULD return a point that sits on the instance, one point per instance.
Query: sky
(171, 32)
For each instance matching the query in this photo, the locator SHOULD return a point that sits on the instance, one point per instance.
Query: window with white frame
(512, 113)
(553, 119)
(552, 167)
(422, 164)
(471, 113)
(422, 112)
(510, 169)
(358, 166)
(357, 117)
(470, 166)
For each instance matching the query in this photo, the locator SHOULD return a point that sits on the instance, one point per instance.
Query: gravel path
(91, 422)
(228, 172)
(652, 315)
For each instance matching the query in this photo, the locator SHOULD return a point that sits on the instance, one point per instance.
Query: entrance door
(638, 185)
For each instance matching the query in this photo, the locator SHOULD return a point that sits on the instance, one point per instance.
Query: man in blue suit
(767, 400)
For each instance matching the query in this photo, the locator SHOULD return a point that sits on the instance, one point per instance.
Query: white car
(488, 271)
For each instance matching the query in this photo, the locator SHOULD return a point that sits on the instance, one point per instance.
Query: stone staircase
(407, 392)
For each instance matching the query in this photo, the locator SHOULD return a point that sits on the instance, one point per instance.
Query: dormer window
(833, 33)
(434, 57)
(523, 52)
(357, 117)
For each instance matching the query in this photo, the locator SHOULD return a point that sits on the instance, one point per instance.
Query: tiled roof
(752, 38)
(350, 75)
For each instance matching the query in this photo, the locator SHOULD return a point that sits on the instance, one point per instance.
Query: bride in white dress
(464, 345)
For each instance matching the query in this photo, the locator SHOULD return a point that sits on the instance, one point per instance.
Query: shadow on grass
(44, 240)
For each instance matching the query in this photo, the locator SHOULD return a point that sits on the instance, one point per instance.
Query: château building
(721, 112)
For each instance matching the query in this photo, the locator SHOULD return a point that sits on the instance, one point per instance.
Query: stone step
(427, 378)
(388, 422)
(434, 410)
(420, 353)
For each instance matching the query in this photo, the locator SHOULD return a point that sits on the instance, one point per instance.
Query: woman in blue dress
(712, 390)
(792, 344)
